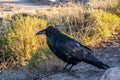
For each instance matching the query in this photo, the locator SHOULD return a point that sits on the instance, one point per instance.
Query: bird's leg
(70, 68)
(63, 70)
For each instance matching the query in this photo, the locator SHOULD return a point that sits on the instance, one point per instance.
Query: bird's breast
(51, 44)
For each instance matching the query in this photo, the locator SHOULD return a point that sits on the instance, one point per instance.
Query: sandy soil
(19, 6)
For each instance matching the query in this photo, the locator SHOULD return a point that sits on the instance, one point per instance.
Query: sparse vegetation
(38, 59)
(43, 60)
(103, 27)
(89, 27)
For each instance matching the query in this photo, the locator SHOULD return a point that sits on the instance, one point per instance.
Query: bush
(7, 58)
(106, 23)
(103, 27)
(20, 37)
(43, 60)
(38, 59)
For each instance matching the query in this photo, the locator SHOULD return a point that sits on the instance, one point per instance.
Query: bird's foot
(66, 70)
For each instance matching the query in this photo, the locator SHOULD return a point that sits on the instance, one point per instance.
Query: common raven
(69, 50)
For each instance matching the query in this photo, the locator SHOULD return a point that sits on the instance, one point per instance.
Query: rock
(111, 74)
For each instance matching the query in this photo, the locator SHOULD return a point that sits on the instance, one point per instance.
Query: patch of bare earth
(9, 7)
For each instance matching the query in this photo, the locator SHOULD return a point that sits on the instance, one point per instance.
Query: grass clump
(38, 59)
(68, 19)
(43, 60)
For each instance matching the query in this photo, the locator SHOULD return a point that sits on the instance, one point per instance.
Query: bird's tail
(89, 58)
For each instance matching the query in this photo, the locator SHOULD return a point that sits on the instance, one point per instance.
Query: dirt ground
(9, 7)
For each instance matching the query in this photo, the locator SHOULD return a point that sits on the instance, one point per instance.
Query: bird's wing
(72, 48)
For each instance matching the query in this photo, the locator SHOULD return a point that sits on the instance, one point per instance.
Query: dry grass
(103, 3)
(83, 24)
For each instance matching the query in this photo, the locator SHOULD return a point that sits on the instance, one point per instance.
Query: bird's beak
(41, 32)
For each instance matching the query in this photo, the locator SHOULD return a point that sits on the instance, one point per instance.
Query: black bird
(69, 50)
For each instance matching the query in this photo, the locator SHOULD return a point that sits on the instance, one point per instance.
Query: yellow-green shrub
(38, 59)
(6, 57)
(43, 60)
(105, 25)
(22, 38)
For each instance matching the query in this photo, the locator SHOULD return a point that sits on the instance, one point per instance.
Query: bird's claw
(66, 70)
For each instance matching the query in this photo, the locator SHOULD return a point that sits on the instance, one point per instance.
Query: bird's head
(50, 30)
